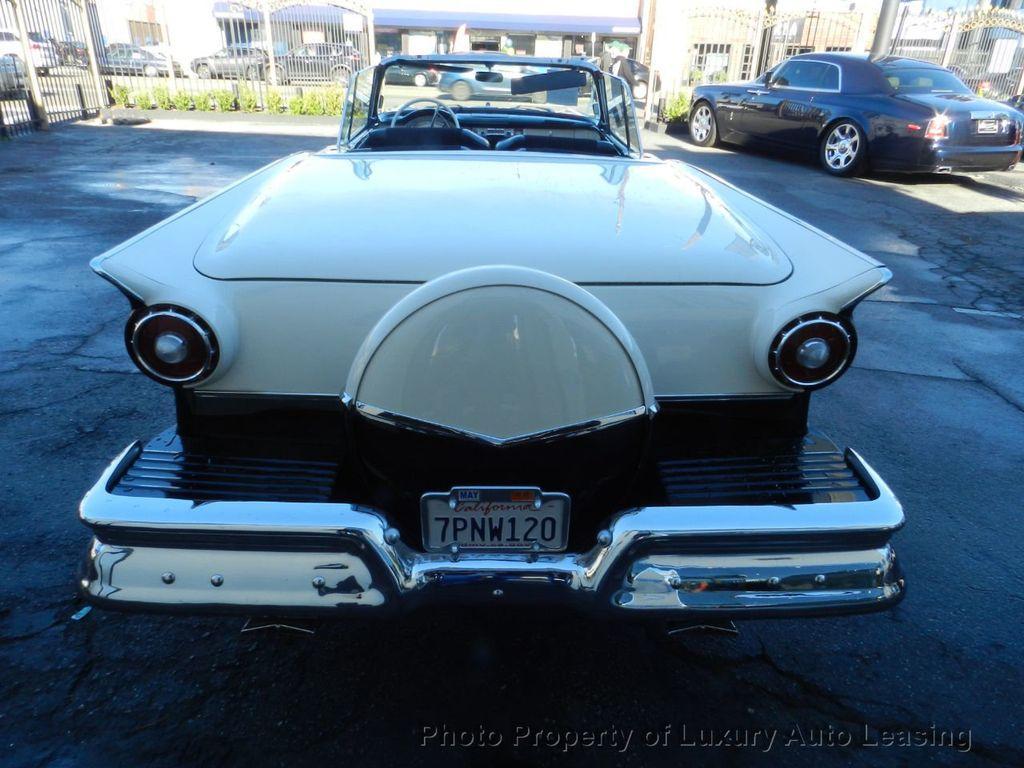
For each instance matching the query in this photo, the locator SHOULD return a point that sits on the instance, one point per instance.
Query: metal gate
(65, 59)
(236, 55)
(45, 67)
(734, 44)
(985, 48)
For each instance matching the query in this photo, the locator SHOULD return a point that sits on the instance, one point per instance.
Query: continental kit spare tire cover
(500, 376)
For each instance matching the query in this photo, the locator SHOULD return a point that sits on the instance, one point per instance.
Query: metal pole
(268, 40)
(883, 32)
(952, 38)
(371, 38)
(94, 66)
(35, 91)
(165, 47)
(768, 21)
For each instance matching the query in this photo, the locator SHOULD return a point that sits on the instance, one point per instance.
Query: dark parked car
(892, 114)
(233, 61)
(636, 74)
(409, 74)
(72, 53)
(317, 62)
(124, 59)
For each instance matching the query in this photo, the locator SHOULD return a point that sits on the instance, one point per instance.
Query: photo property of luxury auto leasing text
(450, 382)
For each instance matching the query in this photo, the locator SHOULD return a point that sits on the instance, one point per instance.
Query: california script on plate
(493, 518)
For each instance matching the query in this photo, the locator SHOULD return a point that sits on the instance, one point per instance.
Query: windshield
(560, 90)
(925, 81)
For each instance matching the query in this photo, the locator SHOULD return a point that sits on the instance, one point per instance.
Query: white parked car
(43, 53)
(490, 354)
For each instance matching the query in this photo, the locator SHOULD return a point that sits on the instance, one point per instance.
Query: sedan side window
(830, 77)
(811, 75)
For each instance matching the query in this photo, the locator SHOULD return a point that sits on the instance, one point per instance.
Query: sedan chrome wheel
(702, 124)
(842, 147)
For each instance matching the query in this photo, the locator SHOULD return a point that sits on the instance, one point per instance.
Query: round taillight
(812, 350)
(171, 345)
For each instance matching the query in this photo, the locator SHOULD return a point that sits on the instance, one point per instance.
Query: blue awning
(507, 22)
(419, 19)
(298, 14)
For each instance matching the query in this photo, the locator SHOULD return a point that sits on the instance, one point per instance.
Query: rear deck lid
(411, 217)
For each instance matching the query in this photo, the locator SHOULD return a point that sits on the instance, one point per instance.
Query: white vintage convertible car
(487, 350)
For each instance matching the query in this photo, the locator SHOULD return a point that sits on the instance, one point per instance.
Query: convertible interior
(429, 124)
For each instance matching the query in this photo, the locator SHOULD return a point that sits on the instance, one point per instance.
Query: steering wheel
(439, 106)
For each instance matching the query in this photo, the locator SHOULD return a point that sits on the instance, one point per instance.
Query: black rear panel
(711, 453)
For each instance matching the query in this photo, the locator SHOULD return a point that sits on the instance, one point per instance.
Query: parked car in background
(12, 73)
(890, 114)
(494, 83)
(318, 62)
(126, 59)
(72, 53)
(409, 74)
(635, 73)
(44, 55)
(588, 390)
(239, 61)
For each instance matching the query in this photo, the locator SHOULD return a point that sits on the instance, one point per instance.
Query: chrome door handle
(757, 92)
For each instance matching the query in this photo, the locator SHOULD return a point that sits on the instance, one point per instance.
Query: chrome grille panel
(164, 467)
(812, 471)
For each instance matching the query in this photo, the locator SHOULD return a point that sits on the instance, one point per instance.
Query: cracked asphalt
(934, 402)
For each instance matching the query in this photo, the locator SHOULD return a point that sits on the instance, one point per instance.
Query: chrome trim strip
(884, 278)
(427, 427)
(725, 397)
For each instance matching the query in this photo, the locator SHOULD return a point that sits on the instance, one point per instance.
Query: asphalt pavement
(934, 402)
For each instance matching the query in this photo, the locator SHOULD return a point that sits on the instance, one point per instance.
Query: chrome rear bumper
(294, 558)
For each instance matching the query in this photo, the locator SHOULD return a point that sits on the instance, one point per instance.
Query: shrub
(247, 101)
(678, 108)
(313, 103)
(333, 100)
(203, 102)
(182, 101)
(224, 99)
(144, 100)
(120, 95)
(274, 102)
(295, 105)
(162, 97)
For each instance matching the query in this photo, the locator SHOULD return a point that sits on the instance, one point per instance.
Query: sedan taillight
(938, 128)
(171, 344)
(813, 350)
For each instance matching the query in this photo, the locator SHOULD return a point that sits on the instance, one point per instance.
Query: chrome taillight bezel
(797, 331)
(208, 357)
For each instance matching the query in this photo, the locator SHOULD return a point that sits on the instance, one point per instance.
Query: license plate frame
(488, 504)
(986, 127)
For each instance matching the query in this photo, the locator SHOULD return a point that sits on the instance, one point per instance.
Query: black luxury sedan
(890, 114)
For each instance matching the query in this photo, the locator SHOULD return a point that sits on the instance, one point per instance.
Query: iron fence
(66, 59)
(257, 55)
(985, 48)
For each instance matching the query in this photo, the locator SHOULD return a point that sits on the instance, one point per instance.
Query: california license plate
(988, 126)
(489, 518)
